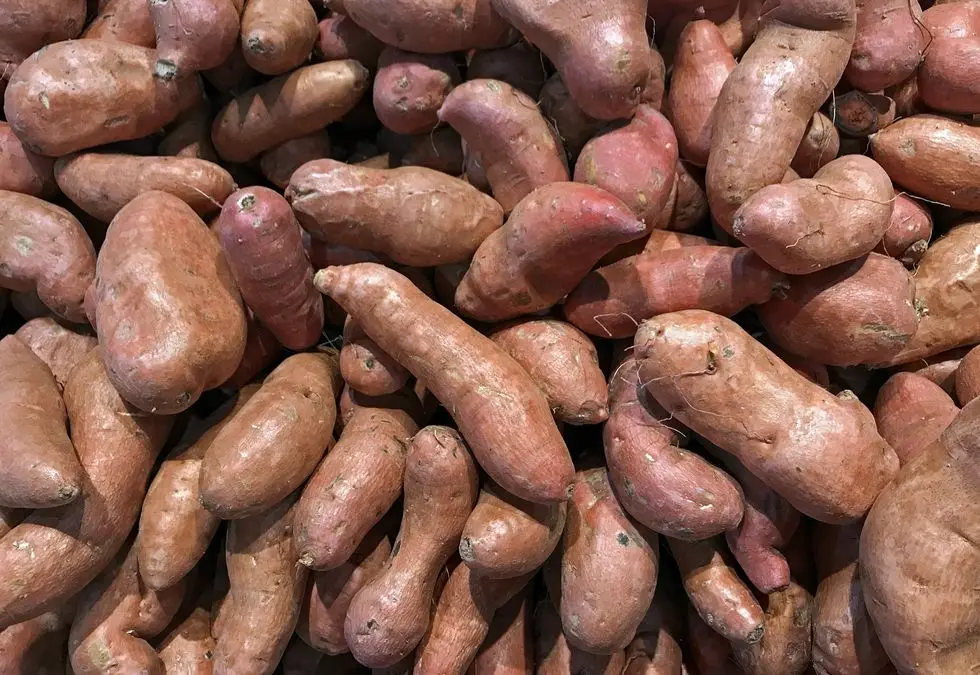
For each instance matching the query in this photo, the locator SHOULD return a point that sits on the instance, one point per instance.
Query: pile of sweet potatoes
(489, 337)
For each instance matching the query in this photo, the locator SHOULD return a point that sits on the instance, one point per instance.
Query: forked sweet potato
(555, 656)
(908, 233)
(888, 43)
(60, 348)
(193, 35)
(948, 75)
(785, 646)
(911, 413)
(410, 88)
(22, 170)
(123, 21)
(278, 35)
(279, 163)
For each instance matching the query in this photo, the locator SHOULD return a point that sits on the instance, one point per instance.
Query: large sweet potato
(888, 43)
(948, 77)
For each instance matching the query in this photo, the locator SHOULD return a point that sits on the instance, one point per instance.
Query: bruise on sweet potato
(44, 248)
(279, 163)
(518, 150)
(410, 88)
(819, 146)
(911, 413)
(102, 183)
(162, 286)
(785, 646)
(286, 107)
(193, 35)
(188, 648)
(520, 65)
(22, 170)
(487, 392)
(888, 43)
(948, 75)
(509, 646)
(821, 452)
(123, 21)
(968, 377)
(59, 347)
(555, 656)
(908, 233)
(388, 617)
(340, 38)
(278, 35)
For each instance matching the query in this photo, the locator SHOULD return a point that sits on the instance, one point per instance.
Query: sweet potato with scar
(101, 183)
(821, 452)
(888, 43)
(911, 413)
(189, 648)
(193, 35)
(785, 646)
(43, 248)
(555, 656)
(123, 21)
(908, 233)
(611, 301)
(410, 88)
(412, 215)
(162, 286)
(22, 170)
(59, 551)
(809, 224)
(278, 35)
(389, 616)
(503, 126)
(60, 348)
(37, 646)
(948, 75)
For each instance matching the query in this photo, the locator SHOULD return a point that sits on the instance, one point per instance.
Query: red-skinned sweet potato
(908, 233)
(485, 384)
(785, 646)
(22, 170)
(278, 35)
(340, 38)
(123, 21)
(555, 656)
(888, 43)
(519, 65)
(509, 646)
(410, 88)
(911, 413)
(819, 146)
(60, 348)
(37, 646)
(968, 377)
(279, 163)
(948, 75)
(193, 35)
(189, 648)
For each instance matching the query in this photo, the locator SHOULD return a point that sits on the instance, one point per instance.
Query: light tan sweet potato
(410, 88)
(190, 136)
(555, 656)
(279, 163)
(574, 127)
(278, 35)
(37, 646)
(487, 392)
(785, 646)
(123, 21)
(287, 107)
(888, 44)
(22, 170)
(389, 615)
(194, 35)
(948, 75)
(503, 126)
(908, 233)
(43, 248)
(509, 646)
(189, 648)
(520, 65)
(59, 551)
(162, 289)
(819, 146)
(968, 377)
(819, 451)
(340, 38)
(911, 413)
(60, 348)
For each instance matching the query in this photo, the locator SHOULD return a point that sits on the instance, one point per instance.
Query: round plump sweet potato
(911, 413)
(785, 646)
(26, 27)
(82, 93)
(278, 35)
(22, 170)
(340, 38)
(410, 88)
(819, 451)
(279, 163)
(509, 646)
(555, 656)
(189, 648)
(193, 35)
(289, 106)
(161, 277)
(519, 65)
(968, 377)
(123, 21)
(819, 146)
(60, 348)
(948, 75)
(37, 646)
(101, 183)
(908, 233)
(888, 43)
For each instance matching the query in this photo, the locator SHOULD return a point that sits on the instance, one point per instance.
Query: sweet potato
(410, 88)
(38, 467)
(354, 486)
(366, 367)
(22, 170)
(261, 350)
(340, 38)
(924, 606)
(656, 650)
(888, 43)
(60, 348)
(819, 146)
(807, 225)
(636, 163)
(506, 537)
(503, 125)
(612, 300)
(519, 65)
(708, 651)
(574, 127)
(37, 646)
(116, 617)
(666, 488)
(287, 107)
(820, 452)
(931, 156)
(44, 248)
(123, 21)
(389, 615)
(82, 93)
(161, 288)
(412, 215)
(911, 413)
(948, 77)
(189, 648)
(555, 656)
(945, 295)
(279, 163)
(101, 183)
(785, 646)
(190, 136)
(447, 26)
(602, 549)
(859, 114)
(701, 66)
(939, 369)
(441, 150)
(58, 551)
(484, 383)
(968, 377)
(690, 208)
(600, 50)
(908, 233)
(266, 593)
(193, 35)
(278, 35)
(722, 600)
(263, 244)
(26, 27)
(769, 99)
(508, 648)
(321, 622)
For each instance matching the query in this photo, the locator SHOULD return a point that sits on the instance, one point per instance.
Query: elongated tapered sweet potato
(60, 348)
(911, 413)
(122, 21)
(554, 655)
(410, 88)
(278, 35)
(22, 170)
(193, 35)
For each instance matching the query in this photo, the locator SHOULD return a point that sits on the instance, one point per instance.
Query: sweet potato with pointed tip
(22, 170)
(520, 65)
(193, 35)
(188, 648)
(518, 150)
(888, 43)
(340, 38)
(509, 646)
(785, 646)
(37, 646)
(279, 163)
(123, 21)
(819, 146)
(60, 348)
(948, 74)
(278, 35)
(410, 88)
(554, 655)
(911, 413)
(389, 616)
(821, 452)
(908, 233)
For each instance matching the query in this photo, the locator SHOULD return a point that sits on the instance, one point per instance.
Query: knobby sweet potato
(948, 75)
(37, 646)
(819, 146)
(785, 646)
(908, 233)
(968, 377)
(487, 392)
(819, 451)
(911, 413)
(340, 38)
(123, 21)
(519, 65)
(22, 170)
(389, 615)
(410, 88)
(279, 163)
(189, 648)
(888, 43)
(509, 647)
(193, 35)
(168, 313)
(278, 35)
(60, 348)
(555, 656)
(503, 126)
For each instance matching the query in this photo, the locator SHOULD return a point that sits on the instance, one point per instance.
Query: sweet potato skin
(27, 27)
(908, 233)
(785, 646)
(279, 163)
(123, 21)
(819, 146)
(60, 348)
(37, 646)
(340, 38)
(366, 367)
(278, 35)
(410, 88)
(574, 127)
(190, 136)
(488, 393)
(263, 245)
(710, 350)
(911, 413)
(188, 648)
(555, 656)
(170, 240)
(968, 377)
(193, 35)
(509, 646)
(22, 170)
(519, 65)
(947, 76)
(888, 43)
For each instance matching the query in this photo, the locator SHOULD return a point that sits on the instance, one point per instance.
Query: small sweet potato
(948, 75)
(939, 369)
(190, 136)
(555, 656)
(636, 163)
(520, 65)
(289, 106)
(612, 300)
(266, 592)
(690, 208)
(22, 170)
(809, 224)
(60, 348)
(340, 38)
(821, 452)
(908, 233)
(574, 127)
(785, 646)
(43, 248)
(263, 245)
(279, 163)
(278, 35)
(37, 646)
(189, 648)
(911, 413)
(483, 384)
(506, 537)
(410, 88)
(82, 93)
(509, 646)
(968, 377)
(819, 146)
(193, 35)
(59, 551)
(414, 216)
(669, 489)
(161, 288)
(888, 43)
(102, 183)
(389, 615)
(518, 150)
(366, 367)
(123, 21)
